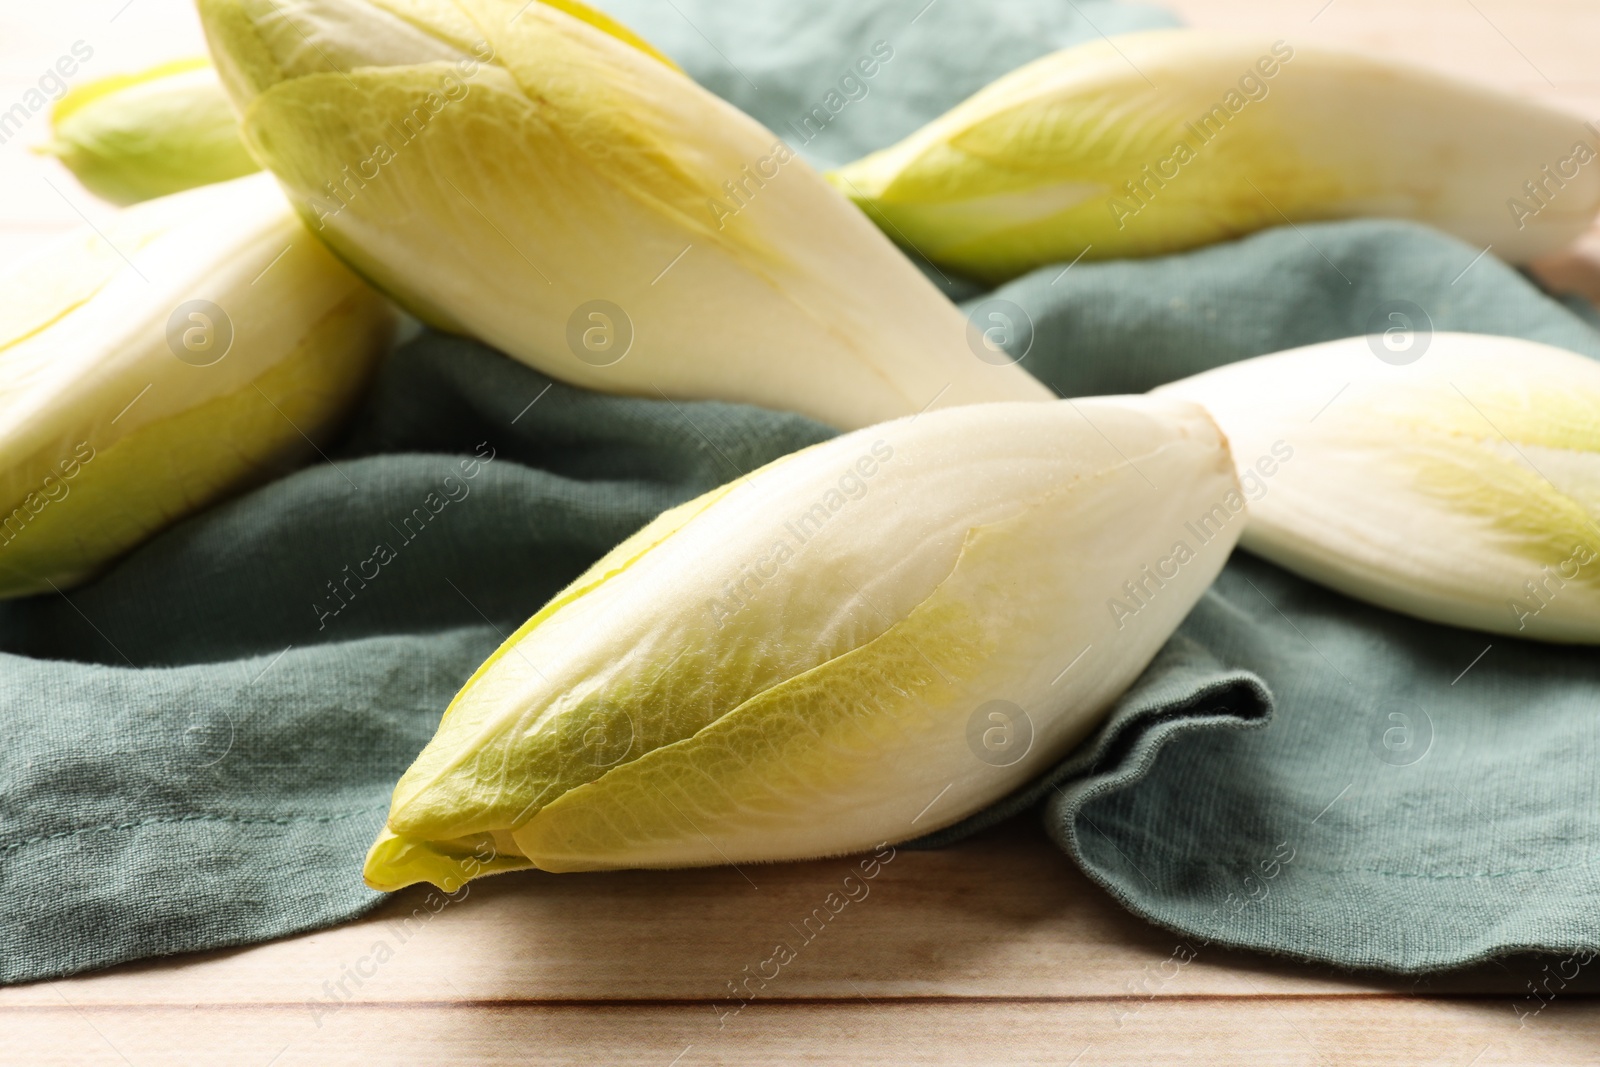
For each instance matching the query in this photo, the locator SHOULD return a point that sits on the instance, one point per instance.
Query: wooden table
(996, 950)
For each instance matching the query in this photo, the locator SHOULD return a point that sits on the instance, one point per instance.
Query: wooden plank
(1005, 914)
(1542, 49)
(1298, 1033)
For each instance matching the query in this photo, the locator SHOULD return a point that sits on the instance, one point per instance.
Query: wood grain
(999, 938)
(1005, 914)
(1302, 1033)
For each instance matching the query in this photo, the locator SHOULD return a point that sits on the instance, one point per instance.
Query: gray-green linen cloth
(200, 745)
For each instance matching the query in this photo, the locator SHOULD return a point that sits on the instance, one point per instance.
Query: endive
(1168, 139)
(1462, 487)
(861, 642)
(190, 344)
(132, 137)
(536, 176)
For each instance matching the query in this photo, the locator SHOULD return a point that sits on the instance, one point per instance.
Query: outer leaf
(106, 434)
(1462, 488)
(790, 666)
(164, 130)
(498, 193)
(1169, 139)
